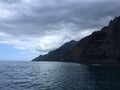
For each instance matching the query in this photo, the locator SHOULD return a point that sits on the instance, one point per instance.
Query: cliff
(101, 47)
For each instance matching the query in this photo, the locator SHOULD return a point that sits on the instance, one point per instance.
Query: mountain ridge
(59, 52)
(101, 47)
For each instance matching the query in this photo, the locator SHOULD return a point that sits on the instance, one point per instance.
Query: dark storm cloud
(48, 19)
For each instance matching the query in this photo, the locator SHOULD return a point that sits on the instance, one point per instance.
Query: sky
(29, 28)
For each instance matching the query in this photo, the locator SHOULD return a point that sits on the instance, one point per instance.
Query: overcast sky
(29, 28)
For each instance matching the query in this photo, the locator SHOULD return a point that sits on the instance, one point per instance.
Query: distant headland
(101, 47)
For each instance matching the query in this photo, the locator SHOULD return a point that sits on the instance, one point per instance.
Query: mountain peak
(114, 22)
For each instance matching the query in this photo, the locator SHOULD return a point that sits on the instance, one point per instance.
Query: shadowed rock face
(101, 47)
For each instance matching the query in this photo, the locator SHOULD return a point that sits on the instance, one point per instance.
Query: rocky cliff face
(101, 47)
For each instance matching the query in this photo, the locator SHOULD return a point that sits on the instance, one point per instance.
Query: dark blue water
(57, 76)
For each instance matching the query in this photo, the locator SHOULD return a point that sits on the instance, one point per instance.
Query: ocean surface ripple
(57, 76)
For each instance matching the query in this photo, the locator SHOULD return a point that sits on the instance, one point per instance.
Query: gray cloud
(47, 24)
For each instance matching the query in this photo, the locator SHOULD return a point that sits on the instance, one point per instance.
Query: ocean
(57, 76)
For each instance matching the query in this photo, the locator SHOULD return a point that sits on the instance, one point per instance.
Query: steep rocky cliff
(101, 47)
